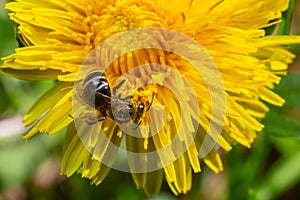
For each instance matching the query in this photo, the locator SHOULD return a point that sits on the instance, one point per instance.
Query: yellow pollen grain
(120, 133)
(146, 143)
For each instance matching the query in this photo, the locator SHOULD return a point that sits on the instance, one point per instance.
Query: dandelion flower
(61, 35)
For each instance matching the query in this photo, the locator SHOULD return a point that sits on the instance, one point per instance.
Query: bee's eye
(130, 105)
(141, 107)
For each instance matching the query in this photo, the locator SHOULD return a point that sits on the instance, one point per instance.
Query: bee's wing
(103, 104)
(103, 100)
(114, 93)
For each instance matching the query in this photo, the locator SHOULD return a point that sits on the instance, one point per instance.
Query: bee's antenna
(152, 99)
(71, 116)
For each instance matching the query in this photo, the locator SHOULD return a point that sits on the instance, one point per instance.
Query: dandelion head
(166, 83)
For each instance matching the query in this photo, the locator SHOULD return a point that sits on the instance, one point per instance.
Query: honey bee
(97, 93)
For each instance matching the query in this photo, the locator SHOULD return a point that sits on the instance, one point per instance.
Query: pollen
(103, 20)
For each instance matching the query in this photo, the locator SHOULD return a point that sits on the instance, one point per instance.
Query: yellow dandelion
(190, 75)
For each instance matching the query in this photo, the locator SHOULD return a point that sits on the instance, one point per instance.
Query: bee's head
(122, 113)
(138, 111)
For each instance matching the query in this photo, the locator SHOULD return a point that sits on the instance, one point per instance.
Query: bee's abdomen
(95, 82)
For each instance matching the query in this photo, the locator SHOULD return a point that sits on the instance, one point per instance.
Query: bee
(97, 93)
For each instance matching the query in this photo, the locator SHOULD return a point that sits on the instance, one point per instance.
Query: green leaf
(281, 125)
(245, 167)
(284, 121)
(7, 36)
(285, 26)
(270, 29)
(289, 89)
(283, 175)
(285, 146)
(5, 102)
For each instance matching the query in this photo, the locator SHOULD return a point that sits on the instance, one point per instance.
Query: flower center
(104, 20)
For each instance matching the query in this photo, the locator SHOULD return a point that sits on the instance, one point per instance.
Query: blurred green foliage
(269, 170)
(272, 166)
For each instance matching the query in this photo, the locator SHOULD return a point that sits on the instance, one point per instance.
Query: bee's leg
(71, 116)
(78, 117)
(117, 87)
(101, 118)
(92, 121)
(152, 99)
(137, 125)
(127, 98)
